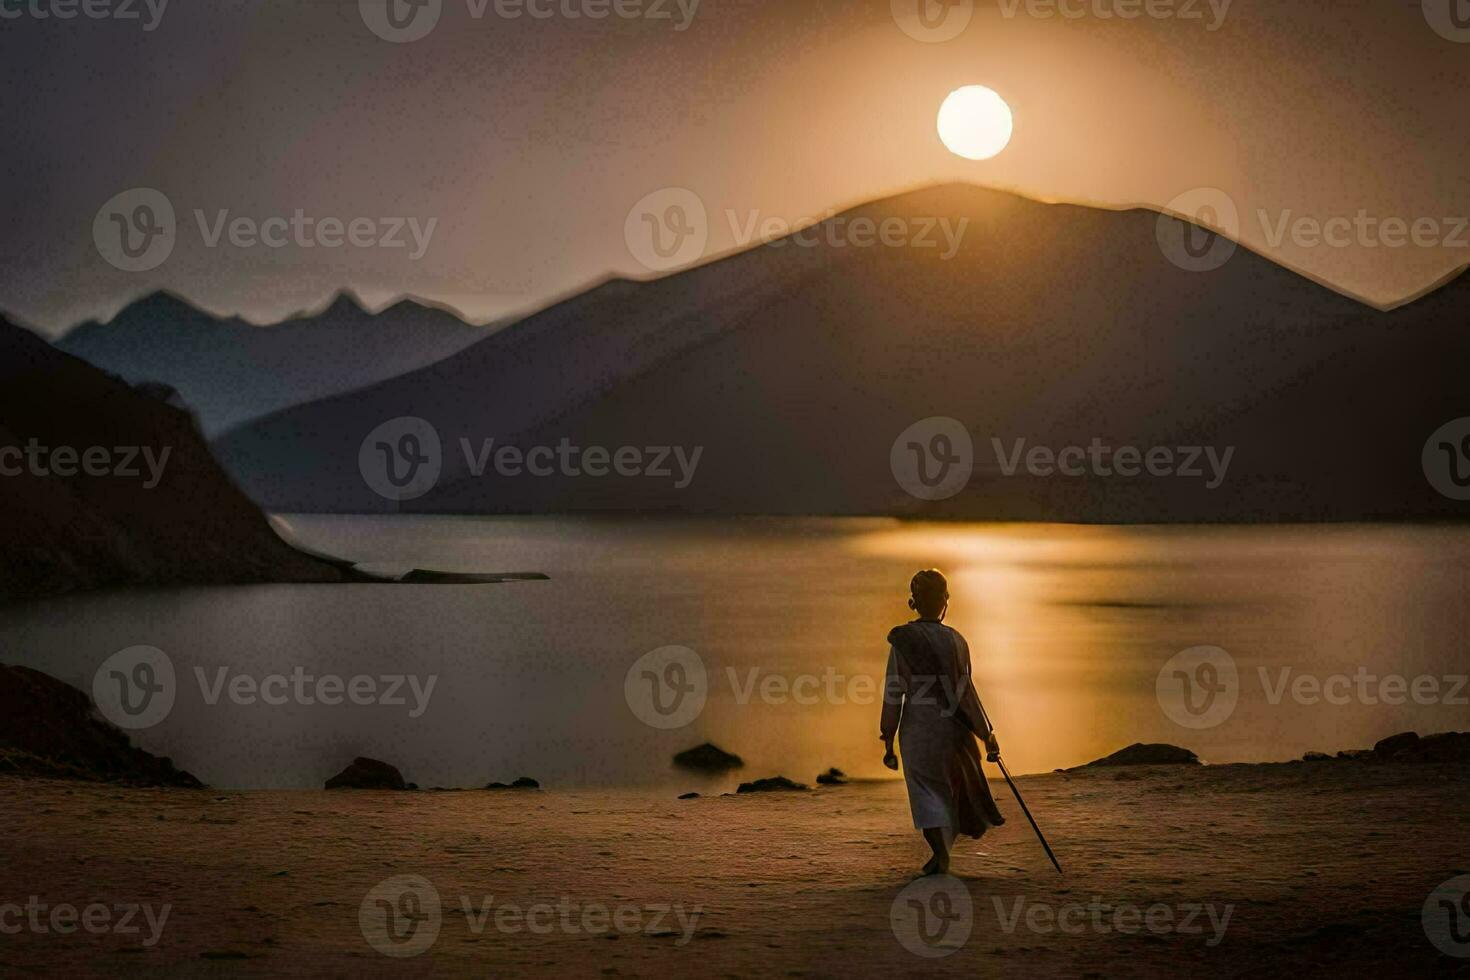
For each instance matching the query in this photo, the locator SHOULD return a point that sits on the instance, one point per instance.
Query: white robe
(930, 701)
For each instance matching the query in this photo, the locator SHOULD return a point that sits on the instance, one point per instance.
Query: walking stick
(1012, 784)
(1039, 835)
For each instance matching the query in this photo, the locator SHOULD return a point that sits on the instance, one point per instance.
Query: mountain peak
(159, 303)
(344, 303)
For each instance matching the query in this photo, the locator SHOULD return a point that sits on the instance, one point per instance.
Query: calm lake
(1070, 630)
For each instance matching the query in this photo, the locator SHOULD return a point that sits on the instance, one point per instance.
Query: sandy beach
(1261, 870)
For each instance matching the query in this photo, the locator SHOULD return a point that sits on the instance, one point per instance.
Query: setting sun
(975, 123)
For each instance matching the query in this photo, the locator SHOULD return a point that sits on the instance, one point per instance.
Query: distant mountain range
(793, 369)
(102, 484)
(229, 371)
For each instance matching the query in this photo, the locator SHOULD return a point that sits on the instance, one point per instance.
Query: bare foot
(936, 866)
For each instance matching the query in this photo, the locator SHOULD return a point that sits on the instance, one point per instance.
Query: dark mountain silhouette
(125, 522)
(797, 367)
(51, 729)
(230, 371)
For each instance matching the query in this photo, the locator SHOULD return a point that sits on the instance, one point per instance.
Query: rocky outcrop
(105, 485)
(50, 729)
(368, 774)
(1405, 747)
(832, 777)
(774, 784)
(1409, 747)
(1441, 747)
(1141, 754)
(525, 782)
(708, 758)
(1396, 744)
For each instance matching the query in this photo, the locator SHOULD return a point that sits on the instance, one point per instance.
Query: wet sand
(1311, 869)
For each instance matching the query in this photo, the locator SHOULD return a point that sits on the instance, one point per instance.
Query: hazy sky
(527, 140)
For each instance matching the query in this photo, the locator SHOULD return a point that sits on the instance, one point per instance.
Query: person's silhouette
(930, 705)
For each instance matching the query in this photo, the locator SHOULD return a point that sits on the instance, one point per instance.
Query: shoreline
(276, 881)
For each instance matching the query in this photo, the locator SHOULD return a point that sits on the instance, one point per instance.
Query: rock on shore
(368, 774)
(773, 784)
(1140, 754)
(1406, 747)
(708, 758)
